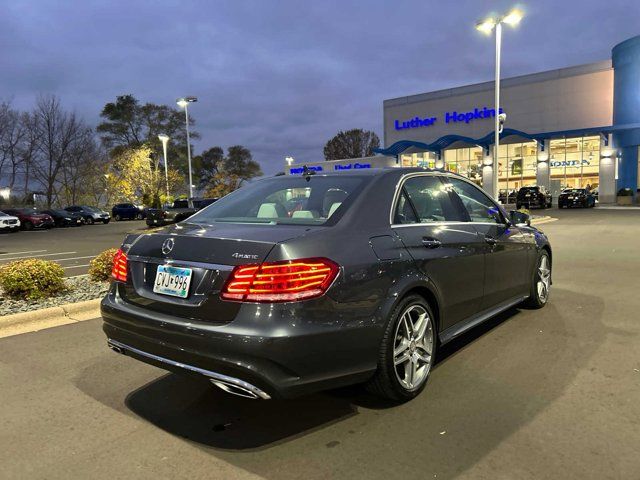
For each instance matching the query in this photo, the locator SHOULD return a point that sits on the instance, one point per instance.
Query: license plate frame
(171, 283)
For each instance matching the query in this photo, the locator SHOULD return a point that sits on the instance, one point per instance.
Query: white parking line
(20, 253)
(43, 255)
(72, 258)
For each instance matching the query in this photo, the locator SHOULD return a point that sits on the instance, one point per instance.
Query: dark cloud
(281, 77)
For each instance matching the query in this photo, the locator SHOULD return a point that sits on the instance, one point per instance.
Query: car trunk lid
(210, 253)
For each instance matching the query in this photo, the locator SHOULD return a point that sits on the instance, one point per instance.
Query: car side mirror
(520, 219)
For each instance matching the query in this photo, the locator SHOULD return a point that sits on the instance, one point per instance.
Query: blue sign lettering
(350, 166)
(449, 117)
(315, 168)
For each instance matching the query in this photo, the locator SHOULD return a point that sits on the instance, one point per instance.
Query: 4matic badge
(245, 255)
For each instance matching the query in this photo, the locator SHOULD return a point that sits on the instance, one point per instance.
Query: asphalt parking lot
(552, 393)
(71, 247)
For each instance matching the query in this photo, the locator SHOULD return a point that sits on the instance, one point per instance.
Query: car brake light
(285, 281)
(119, 270)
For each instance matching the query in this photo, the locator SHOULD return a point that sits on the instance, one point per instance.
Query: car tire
(401, 382)
(105, 221)
(90, 220)
(117, 218)
(139, 216)
(28, 225)
(541, 282)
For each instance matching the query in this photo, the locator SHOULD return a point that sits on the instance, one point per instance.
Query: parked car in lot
(576, 197)
(63, 218)
(89, 214)
(534, 197)
(507, 198)
(176, 212)
(30, 218)
(364, 284)
(127, 211)
(9, 223)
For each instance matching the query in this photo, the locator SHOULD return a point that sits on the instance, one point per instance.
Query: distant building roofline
(505, 83)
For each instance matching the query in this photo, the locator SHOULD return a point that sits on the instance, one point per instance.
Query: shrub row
(33, 279)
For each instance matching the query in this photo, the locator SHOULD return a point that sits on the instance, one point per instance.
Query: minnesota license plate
(172, 281)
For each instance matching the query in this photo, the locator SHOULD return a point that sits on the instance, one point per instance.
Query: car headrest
(303, 214)
(271, 210)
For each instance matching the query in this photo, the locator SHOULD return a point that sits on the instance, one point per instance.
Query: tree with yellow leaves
(135, 176)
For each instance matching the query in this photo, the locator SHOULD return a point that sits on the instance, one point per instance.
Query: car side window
(478, 205)
(424, 199)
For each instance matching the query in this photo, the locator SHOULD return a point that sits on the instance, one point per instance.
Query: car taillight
(119, 270)
(285, 281)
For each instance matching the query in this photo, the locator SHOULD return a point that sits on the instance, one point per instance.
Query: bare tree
(17, 145)
(61, 138)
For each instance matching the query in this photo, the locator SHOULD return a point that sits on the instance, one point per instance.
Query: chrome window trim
(440, 223)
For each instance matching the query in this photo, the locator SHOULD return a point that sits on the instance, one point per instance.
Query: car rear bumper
(287, 358)
(43, 223)
(572, 203)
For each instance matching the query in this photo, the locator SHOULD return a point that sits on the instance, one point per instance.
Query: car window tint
(429, 199)
(479, 206)
(293, 200)
(404, 210)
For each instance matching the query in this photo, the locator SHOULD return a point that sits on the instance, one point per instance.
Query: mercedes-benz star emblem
(167, 245)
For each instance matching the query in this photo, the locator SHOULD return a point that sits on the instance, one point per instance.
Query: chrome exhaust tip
(115, 348)
(234, 389)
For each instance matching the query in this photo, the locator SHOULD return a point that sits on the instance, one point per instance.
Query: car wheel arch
(417, 286)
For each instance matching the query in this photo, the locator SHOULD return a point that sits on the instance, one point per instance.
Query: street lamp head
(184, 101)
(163, 138)
(289, 160)
(513, 17)
(486, 26)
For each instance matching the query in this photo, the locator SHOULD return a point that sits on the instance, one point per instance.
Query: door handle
(431, 242)
(490, 240)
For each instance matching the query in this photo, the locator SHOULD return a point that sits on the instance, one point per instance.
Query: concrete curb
(49, 317)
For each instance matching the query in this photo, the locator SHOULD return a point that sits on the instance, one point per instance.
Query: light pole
(184, 103)
(164, 139)
(487, 26)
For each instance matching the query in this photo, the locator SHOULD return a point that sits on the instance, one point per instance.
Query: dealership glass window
(465, 161)
(420, 159)
(516, 166)
(575, 162)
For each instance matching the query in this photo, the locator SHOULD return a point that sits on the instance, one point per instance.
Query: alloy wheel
(544, 279)
(413, 347)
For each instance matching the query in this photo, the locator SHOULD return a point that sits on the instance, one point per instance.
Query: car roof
(376, 172)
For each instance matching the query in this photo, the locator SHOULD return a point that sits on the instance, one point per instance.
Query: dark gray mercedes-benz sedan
(294, 284)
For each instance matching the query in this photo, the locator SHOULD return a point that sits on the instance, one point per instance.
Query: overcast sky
(282, 77)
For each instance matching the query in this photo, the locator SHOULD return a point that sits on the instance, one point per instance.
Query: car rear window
(284, 200)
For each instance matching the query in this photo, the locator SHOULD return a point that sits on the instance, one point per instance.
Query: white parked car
(9, 223)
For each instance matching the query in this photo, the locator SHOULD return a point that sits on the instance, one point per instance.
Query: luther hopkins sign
(449, 117)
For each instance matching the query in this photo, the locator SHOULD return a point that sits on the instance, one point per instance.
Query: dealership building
(572, 127)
